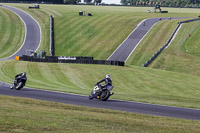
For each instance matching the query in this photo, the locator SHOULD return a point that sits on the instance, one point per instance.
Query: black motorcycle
(19, 82)
(101, 93)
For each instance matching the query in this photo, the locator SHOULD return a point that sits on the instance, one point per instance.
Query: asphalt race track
(123, 52)
(32, 42)
(33, 33)
(135, 107)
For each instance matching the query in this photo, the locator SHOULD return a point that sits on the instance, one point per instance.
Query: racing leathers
(108, 82)
(20, 75)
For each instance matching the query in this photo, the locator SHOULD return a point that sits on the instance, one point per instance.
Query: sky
(110, 1)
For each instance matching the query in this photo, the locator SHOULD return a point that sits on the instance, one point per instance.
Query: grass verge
(183, 54)
(12, 32)
(27, 115)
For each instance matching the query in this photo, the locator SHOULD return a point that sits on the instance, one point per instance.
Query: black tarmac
(126, 48)
(150, 109)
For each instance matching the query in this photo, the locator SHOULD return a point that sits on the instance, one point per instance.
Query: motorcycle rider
(18, 76)
(100, 88)
(107, 80)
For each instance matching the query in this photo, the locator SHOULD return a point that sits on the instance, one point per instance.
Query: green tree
(97, 2)
(124, 2)
(132, 2)
(71, 1)
(87, 1)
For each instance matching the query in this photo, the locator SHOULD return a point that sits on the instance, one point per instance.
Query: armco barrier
(168, 42)
(78, 60)
(51, 47)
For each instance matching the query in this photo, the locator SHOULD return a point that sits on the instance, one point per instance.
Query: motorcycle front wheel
(19, 86)
(90, 96)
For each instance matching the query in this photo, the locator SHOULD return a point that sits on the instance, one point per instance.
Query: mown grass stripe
(5, 33)
(85, 49)
(75, 76)
(77, 33)
(111, 42)
(56, 75)
(11, 33)
(175, 58)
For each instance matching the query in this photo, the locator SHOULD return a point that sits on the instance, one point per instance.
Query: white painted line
(24, 36)
(25, 30)
(140, 41)
(174, 36)
(127, 38)
(37, 24)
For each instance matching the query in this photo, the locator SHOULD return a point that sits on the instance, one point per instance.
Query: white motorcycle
(101, 93)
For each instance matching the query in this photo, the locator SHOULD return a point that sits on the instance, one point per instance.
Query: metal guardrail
(168, 42)
(69, 59)
(52, 47)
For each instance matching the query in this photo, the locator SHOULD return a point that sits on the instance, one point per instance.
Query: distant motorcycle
(101, 93)
(19, 82)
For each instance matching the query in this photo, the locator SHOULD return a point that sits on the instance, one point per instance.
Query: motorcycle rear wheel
(105, 95)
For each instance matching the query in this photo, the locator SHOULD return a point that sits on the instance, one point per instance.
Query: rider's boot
(11, 87)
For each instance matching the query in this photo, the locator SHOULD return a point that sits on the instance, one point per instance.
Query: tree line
(86, 1)
(166, 3)
(55, 1)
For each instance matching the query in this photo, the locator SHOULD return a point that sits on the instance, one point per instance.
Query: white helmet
(107, 76)
(24, 74)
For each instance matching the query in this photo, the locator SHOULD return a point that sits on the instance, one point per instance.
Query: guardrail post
(52, 48)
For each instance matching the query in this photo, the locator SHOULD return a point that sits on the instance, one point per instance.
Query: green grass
(12, 32)
(153, 41)
(131, 83)
(183, 54)
(80, 36)
(96, 36)
(99, 36)
(27, 115)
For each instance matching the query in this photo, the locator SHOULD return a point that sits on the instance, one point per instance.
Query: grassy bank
(26, 115)
(153, 41)
(12, 32)
(96, 36)
(131, 83)
(183, 54)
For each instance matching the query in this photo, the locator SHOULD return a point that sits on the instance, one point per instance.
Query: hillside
(132, 83)
(183, 55)
(172, 79)
(96, 36)
(12, 32)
